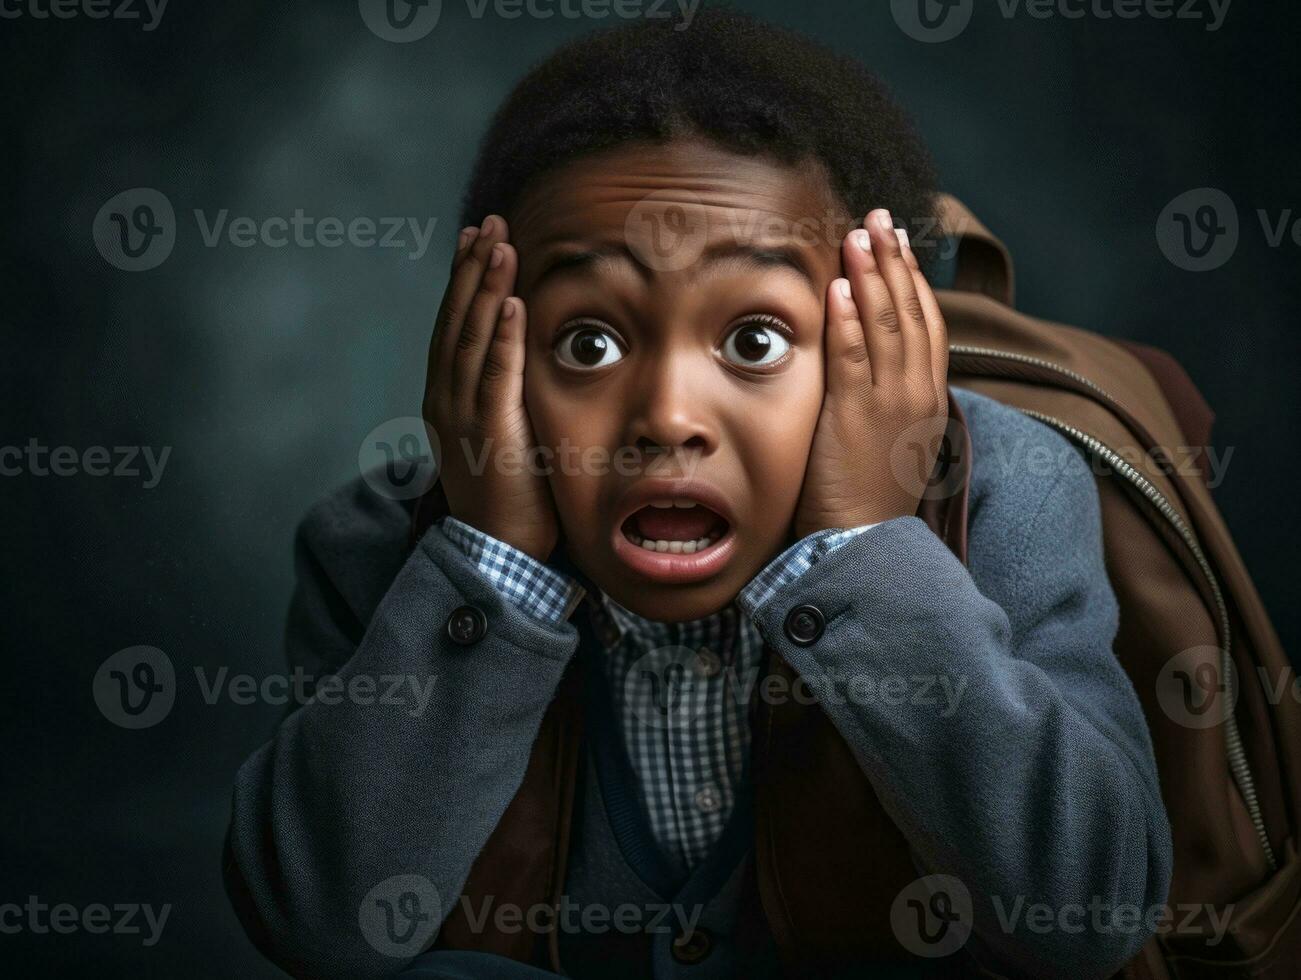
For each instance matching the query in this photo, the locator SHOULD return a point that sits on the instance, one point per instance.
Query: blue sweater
(1031, 783)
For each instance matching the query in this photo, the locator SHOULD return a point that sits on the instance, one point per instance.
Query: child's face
(699, 335)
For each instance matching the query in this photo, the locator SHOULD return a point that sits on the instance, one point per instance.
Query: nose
(672, 406)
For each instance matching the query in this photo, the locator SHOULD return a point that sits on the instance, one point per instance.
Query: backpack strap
(984, 264)
(524, 861)
(829, 860)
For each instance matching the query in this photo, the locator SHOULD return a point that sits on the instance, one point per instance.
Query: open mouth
(678, 526)
(676, 539)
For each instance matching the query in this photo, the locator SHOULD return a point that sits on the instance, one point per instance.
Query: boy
(740, 393)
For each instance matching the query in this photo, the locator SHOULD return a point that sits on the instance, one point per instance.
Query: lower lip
(664, 566)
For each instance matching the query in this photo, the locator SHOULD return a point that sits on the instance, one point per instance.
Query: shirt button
(708, 799)
(692, 947)
(805, 624)
(466, 625)
(708, 663)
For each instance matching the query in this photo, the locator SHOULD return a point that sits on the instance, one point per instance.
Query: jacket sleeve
(997, 727)
(393, 776)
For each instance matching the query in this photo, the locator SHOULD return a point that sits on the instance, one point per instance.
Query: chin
(678, 605)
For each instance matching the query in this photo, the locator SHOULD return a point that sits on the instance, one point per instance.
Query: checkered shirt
(681, 691)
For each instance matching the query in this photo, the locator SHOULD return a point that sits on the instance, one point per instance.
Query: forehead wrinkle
(750, 187)
(727, 193)
(721, 258)
(587, 262)
(602, 229)
(745, 200)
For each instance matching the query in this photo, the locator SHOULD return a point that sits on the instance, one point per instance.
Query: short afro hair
(751, 87)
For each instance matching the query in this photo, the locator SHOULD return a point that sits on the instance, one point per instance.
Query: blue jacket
(1031, 781)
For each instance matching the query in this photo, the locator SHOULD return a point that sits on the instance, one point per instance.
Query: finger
(501, 383)
(848, 363)
(479, 324)
(463, 286)
(892, 259)
(938, 331)
(875, 307)
(464, 240)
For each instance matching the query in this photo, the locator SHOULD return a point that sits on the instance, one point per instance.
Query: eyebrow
(751, 256)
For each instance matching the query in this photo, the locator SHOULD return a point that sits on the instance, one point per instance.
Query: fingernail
(467, 235)
(486, 227)
(842, 287)
(903, 237)
(863, 240)
(882, 218)
(507, 309)
(498, 255)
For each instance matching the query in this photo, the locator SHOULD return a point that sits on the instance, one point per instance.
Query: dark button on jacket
(466, 625)
(804, 624)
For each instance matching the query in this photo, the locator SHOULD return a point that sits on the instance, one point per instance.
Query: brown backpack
(1221, 699)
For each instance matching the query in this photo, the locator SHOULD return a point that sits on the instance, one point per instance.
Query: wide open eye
(588, 346)
(755, 344)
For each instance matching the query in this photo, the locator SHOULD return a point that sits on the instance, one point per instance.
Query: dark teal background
(264, 368)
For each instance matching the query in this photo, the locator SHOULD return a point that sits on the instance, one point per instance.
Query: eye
(755, 344)
(588, 346)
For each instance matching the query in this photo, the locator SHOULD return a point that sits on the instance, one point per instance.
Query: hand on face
(886, 362)
(474, 398)
(886, 387)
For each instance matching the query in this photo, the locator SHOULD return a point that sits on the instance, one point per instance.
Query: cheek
(565, 414)
(574, 425)
(775, 434)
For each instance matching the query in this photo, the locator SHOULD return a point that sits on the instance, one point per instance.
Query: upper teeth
(675, 547)
(666, 502)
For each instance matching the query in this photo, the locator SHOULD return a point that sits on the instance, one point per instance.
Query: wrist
(846, 520)
(536, 545)
(538, 551)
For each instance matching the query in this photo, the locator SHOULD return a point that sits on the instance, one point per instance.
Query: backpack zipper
(1234, 751)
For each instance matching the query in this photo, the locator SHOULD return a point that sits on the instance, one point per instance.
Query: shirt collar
(718, 632)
